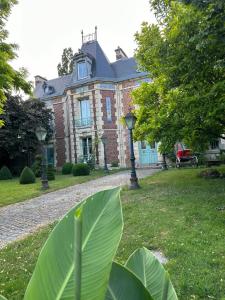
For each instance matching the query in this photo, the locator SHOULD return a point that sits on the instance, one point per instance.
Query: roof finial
(96, 28)
(82, 34)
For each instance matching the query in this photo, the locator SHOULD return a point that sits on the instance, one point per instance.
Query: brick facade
(80, 125)
(59, 132)
(110, 127)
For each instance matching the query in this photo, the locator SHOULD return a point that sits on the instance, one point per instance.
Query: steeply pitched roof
(102, 66)
(126, 68)
(58, 84)
(119, 70)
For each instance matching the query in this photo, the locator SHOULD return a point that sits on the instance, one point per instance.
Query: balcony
(84, 122)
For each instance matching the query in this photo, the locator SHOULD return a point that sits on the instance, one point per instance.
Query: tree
(21, 118)
(184, 55)
(66, 65)
(10, 79)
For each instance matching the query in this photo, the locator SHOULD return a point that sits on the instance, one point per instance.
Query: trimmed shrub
(5, 173)
(50, 172)
(210, 173)
(81, 170)
(27, 176)
(91, 162)
(115, 164)
(36, 167)
(67, 168)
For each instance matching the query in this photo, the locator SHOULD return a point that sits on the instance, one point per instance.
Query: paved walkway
(20, 219)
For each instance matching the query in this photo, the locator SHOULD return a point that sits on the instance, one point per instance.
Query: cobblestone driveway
(20, 219)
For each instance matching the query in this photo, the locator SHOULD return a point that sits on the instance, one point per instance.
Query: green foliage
(210, 173)
(91, 162)
(81, 169)
(151, 273)
(50, 172)
(184, 56)
(66, 65)
(10, 79)
(5, 173)
(67, 168)
(21, 119)
(36, 167)
(115, 164)
(27, 176)
(222, 157)
(76, 261)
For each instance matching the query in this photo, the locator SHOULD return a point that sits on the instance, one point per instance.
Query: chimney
(39, 80)
(120, 54)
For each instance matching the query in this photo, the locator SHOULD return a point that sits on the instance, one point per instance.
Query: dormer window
(82, 70)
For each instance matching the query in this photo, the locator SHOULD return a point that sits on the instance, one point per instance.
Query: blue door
(148, 153)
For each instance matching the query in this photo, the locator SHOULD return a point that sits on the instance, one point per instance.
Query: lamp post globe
(104, 142)
(130, 120)
(41, 134)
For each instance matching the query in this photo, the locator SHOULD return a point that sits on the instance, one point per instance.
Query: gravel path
(20, 219)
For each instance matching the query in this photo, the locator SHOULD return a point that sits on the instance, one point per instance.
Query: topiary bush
(5, 173)
(67, 168)
(81, 170)
(27, 176)
(36, 167)
(50, 172)
(115, 164)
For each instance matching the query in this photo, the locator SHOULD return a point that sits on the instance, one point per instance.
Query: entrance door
(148, 153)
(86, 148)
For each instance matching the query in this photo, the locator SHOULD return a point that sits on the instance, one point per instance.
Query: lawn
(12, 191)
(175, 212)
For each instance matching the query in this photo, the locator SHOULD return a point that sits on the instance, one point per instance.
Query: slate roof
(119, 70)
(59, 85)
(102, 64)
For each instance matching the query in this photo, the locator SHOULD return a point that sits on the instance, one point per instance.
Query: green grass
(12, 191)
(175, 212)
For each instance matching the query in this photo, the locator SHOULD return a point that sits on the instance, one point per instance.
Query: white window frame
(79, 77)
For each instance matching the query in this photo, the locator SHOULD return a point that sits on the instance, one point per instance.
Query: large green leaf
(100, 221)
(124, 285)
(152, 274)
(2, 298)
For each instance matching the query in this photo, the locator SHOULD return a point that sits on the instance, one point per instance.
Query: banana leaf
(124, 285)
(98, 232)
(152, 274)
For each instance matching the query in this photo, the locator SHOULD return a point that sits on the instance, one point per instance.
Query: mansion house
(90, 102)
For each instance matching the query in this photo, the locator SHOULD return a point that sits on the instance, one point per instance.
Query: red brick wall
(59, 133)
(95, 127)
(110, 128)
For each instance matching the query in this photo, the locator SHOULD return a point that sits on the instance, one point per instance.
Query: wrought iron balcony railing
(84, 122)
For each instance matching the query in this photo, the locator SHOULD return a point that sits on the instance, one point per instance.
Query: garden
(28, 185)
(176, 212)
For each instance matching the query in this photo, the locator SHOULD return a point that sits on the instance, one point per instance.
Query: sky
(43, 28)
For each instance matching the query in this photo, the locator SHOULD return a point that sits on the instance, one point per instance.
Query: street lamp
(104, 142)
(164, 164)
(130, 120)
(41, 135)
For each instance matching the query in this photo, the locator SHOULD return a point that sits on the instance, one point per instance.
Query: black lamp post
(104, 142)
(164, 164)
(130, 120)
(41, 135)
